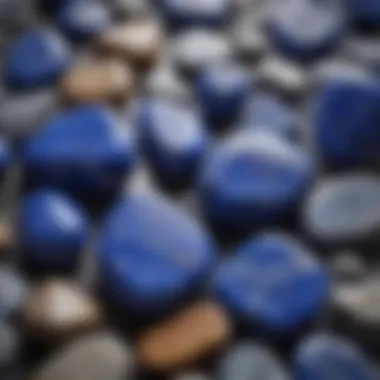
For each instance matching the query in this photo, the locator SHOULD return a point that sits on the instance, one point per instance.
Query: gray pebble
(16, 15)
(364, 50)
(98, 357)
(347, 266)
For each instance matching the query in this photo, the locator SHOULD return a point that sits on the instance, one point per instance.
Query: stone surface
(185, 338)
(97, 357)
(102, 80)
(58, 310)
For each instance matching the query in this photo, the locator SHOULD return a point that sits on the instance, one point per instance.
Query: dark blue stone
(222, 92)
(328, 357)
(273, 284)
(82, 20)
(36, 59)
(366, 12)
(347, 122)
(306, 29)
(152, 254)
(87, 151)
(254, 179)
(270, 113)
(190, 13)
(53, 230)
(174, 140)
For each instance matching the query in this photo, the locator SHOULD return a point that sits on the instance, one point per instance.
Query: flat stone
(58, 310)
(185, 338)
(139, 42)
(102, 80)
(21, 115)
(97, 357)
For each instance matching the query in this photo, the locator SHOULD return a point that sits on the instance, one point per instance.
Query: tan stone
(58, 310)
(139, 42)
(185, 338)
(98, 80)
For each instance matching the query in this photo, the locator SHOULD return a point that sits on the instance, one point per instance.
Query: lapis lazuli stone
(53, 230)
(87, 151)
(306, 29)
(36, 59)
(329, 357)
(174, 140)
(272, 283)
(222, 91)
(82, 20)
(254, 179)
(190, 13)
(347, 122)
(268, 112)
(152, 254)
(365, 12)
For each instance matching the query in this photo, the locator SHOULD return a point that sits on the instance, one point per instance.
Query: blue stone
(347, 120)
(366, 12)
(152, 254)
(190, 13)
(306, 29)
(222, 91)
(270, 113)
(53, 230)
(174, 141)
(329, 357)
(253, 179)
(82, 20)
(87, 151)
(36, 59)
(273, 284)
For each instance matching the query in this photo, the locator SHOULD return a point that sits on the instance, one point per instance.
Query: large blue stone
(53, 230)
(36, 59)
(152, 254)
(273, 284)
(174, 141)
(87, 151)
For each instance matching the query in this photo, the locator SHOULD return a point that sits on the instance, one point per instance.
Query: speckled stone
(102, 80)
(185, 338)
(139, 42)
(57, 310)
(97, 357)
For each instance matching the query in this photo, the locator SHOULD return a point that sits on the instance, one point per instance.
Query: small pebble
(365, 51)
(174, 140)
(94, 81)
(161, 257)
(344, 209)
(328, 357)
(97, 357)
(139, 42)
(222, 91)
(9, 346)
(272, 284)
(58, 310)
(47, 54)
(53, 230)
(88, 151)
(185, 338)
(253, 179)
(347, 267)
(249, 361)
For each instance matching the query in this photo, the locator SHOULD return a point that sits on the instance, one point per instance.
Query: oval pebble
(158, 259)
(306, 29)
(47, 55)
(174, 139)
(328, 357)
(222, 91)
(87, 151)
(53, 230)
(250, 361)
(272, 284)
(253, 179)
(344, 209)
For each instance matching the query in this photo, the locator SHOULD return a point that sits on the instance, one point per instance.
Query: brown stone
(140, 42)
(58, 310)
(101, 80)
(188, 337)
